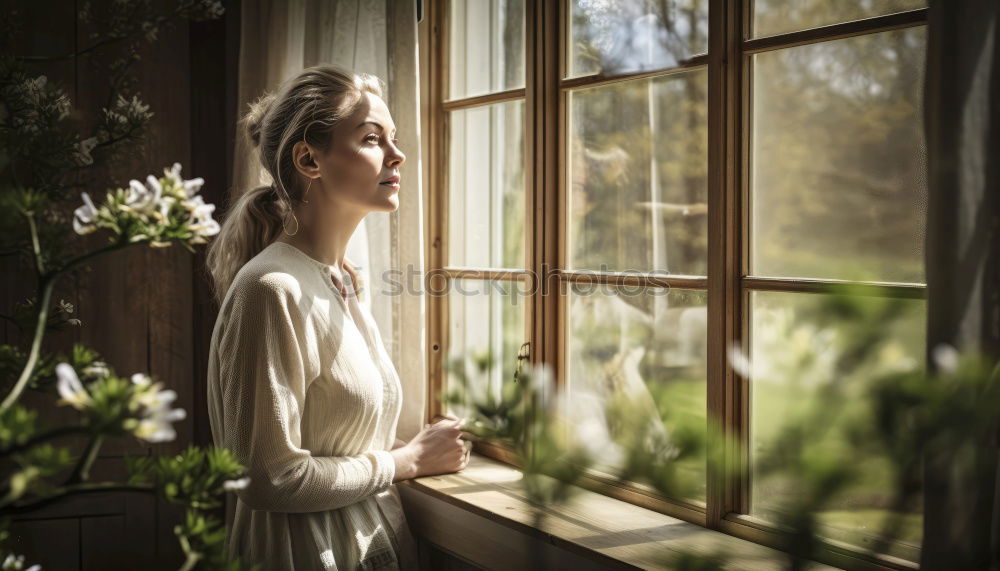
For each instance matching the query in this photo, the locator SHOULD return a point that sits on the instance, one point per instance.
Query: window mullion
(727, 397)
(437, 205)
(542, 36)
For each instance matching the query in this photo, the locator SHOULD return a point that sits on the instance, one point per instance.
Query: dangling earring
(285, 221)
(292, 213)
(304, 201)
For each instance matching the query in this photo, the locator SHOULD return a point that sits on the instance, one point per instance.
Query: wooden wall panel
(112, 295)
(52, 543)
(143, 309)
(213, 124)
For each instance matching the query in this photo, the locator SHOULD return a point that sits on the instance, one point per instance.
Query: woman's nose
(397, 157)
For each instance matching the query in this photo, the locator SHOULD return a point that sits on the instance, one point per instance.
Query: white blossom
(16, 563)
(124, 112)
(70, 389)
(85, 216)
(156, 416)
(945, 357)
(141, 380)
(201, 221)
(211, 8)
(157, 427)
(83, 149)
(144, 198)
(149, 31)
(233, 485)
(593, 437)
(538, 379)
(191, 187)
(97, 369)
(36, 105)
(157, 211)
(173, 173)
(163, 211)
(155, 398)
(739, 361)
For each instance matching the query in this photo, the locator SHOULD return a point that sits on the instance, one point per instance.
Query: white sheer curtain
(281, 37)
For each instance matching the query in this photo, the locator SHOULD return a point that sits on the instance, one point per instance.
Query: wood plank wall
(143, 309)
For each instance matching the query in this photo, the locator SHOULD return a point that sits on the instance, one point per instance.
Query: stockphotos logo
(521, 283)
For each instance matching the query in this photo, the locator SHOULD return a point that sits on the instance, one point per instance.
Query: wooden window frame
(728, 284)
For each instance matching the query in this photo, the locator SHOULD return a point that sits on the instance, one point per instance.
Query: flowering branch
(141, 22)
(42, 158)
(158, 212)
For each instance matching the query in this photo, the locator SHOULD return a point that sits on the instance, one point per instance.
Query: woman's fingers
(448, 424)
(466, 456)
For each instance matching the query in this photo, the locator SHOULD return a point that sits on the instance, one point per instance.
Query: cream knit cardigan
(302, 390)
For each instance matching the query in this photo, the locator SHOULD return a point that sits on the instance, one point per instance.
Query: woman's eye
(374, 138)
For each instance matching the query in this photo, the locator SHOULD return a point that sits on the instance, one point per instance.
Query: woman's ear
(302, 156)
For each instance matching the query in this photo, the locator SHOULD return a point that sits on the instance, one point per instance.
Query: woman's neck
(326, 241)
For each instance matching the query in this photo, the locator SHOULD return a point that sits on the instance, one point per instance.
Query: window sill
(481, 515)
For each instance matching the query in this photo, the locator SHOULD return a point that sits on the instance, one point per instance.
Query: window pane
(800, 370)
(611, 37)
(486, 180)
(486, 318)
(773, 17)
(486, 46)
(649, 345)
(638, 175)
(839, 186)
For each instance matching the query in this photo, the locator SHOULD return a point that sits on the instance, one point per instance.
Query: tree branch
(82, 470)
(73, 55)
(36, 247)
(120, 244)
(46, 284)
(36, 344)
(65, 491)
(49, 435)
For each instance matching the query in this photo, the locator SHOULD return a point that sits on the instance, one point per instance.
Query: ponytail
(251, 224)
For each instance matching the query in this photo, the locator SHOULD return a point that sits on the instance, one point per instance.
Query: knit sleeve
(262, 378)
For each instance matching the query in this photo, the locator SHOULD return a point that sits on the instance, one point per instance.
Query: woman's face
(362, 157)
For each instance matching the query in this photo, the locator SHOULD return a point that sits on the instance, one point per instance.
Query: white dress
(302, 390)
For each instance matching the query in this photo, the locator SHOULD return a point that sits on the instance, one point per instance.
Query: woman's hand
(437, 449)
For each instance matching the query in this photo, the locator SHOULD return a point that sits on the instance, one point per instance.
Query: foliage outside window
(801, 164)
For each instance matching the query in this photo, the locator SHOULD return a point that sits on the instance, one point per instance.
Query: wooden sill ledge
(481, 515)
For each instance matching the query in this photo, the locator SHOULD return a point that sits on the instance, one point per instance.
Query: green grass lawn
(856, 516)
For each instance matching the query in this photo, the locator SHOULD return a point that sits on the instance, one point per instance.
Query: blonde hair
(305, 108)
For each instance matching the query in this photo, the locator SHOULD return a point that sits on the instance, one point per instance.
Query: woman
(300, 387)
